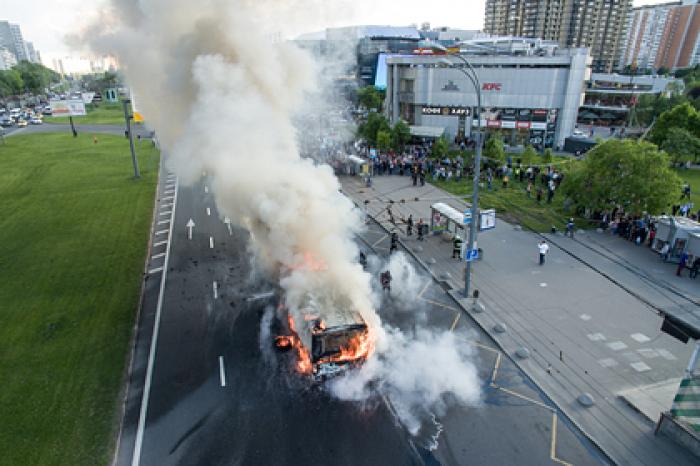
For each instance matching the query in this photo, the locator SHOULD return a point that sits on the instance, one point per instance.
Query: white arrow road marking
(222, 374)
(190, 227)
(211, 242)
(215, 286)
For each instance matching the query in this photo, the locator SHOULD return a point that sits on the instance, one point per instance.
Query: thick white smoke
(220, 87)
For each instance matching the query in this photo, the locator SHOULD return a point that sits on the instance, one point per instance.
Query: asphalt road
(220, 394)
(91, 129)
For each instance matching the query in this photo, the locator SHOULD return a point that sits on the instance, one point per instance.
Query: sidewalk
(584, 333)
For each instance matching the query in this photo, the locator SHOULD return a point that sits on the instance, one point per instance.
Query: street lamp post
(473, 230)
(128, 117)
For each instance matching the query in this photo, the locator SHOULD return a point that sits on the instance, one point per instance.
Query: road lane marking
(215, 286)
(206, 189)
(161, 232)
(523, 397)
(495, 368)
(208, 211)
(156, 270)
(553, 447)
(165, 206)
(163, 222)
(167, 198)
(138, 444)
(167, 212)
(380, 240)
(158, 256)
(170, 191)
(454, 324)
(159, 243)
(435, 303)
(425, 288)
(211, 242)
(222, 374)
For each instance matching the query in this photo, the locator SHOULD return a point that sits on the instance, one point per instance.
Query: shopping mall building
(531, 91)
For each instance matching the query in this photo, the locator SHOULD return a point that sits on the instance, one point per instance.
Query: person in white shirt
(544, 249)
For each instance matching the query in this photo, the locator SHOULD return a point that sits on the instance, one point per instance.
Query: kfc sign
(491, 87)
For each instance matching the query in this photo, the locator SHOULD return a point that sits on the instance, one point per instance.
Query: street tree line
(26, 77)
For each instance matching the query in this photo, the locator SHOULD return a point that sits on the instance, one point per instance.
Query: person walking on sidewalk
(570, 228)
(420, 227)
(456, 247)
(414, 174)
(544, 249)
(665, 250)
(409, 225)
(681, 264)
(422, 177)
(694, 268)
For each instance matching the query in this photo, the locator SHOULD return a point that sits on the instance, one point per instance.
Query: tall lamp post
(474, 79)
(128, 116)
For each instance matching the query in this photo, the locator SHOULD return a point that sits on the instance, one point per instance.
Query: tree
(681, 145)
(547, 156)
(634, 174)
(528, 155)
(371, 98)
(10, 83)
(383, 140)
(493, 149)
(440, 148)
(368, 130)
(682, 116)
(400, 135)
(36, 77)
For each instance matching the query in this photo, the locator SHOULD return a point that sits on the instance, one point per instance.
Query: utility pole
(128, 117)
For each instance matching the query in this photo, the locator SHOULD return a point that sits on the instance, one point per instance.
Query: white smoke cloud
(221, 89)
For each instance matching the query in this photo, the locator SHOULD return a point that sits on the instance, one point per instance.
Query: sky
(46, 22)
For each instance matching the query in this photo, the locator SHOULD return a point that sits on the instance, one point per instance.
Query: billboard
(67, 108)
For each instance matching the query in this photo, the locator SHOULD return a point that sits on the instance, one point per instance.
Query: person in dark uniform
(409, 225)
(456, 247)
(394, 242)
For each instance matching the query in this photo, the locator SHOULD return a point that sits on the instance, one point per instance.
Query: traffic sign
(472, 255)
(467, 219)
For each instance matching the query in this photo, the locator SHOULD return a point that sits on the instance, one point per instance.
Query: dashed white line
(215, 286)
(206, 189)
(211, 242)
(161, 232)
(208, 211)
(222, 374)
(158, 256)
(163, 222)
(156, 270)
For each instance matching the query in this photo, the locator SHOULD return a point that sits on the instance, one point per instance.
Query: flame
(303, 358)
(358, 348)
(309, 262)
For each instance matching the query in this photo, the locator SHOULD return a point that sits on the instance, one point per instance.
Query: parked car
(35, 120)
(7, 122)
(47, 111)
(21, 123)
(578, 134)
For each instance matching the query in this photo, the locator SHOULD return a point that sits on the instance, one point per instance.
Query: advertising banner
(67, 108)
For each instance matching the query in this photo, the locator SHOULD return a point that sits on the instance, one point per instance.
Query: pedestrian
(506, 179)
(570, 228)
(539, 194)
(652, 235)
(681, 264)
(529, 189)
(665, 250)
(409, 225)
(543, 248)
(94, 139)
(385, 280)
(394, 242)
(420, 227)
(422, 177)
(695, 268)
(414, 175)
(456, 247)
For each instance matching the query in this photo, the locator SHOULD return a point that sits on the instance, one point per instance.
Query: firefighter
(394, 242)
(385, 279)
(363, 260)
(456, 247)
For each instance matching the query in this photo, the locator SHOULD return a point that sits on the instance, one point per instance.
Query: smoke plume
(220, 84)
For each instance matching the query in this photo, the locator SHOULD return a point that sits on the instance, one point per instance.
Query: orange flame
(309, 262)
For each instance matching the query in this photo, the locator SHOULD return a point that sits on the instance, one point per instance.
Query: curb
(458, 301)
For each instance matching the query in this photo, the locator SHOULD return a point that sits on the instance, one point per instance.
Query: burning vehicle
(328, 339)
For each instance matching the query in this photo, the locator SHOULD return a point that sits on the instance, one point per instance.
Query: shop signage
(493, 123)
(507, 124)
(522, 125)
(445, 111)
(538, 125)
(450, 86)
(491, 87)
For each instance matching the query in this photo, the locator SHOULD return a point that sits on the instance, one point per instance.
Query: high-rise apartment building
(12, 40)
(666, 35)
(596, 24)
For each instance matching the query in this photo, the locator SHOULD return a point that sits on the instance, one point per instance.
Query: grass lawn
(692, 176)
(513, 205)
(100, 114)
(73, 233)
